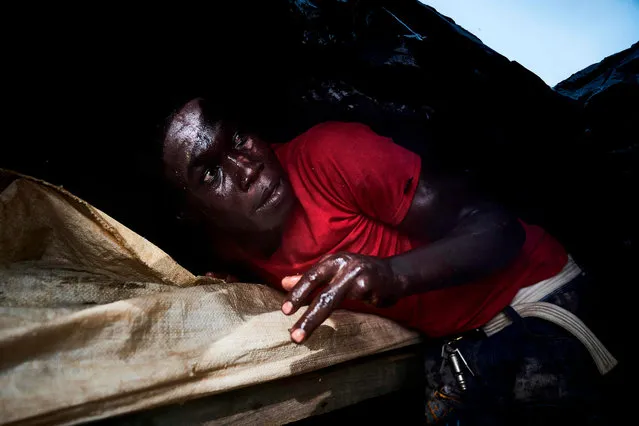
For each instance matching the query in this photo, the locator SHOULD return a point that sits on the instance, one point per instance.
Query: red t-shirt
(354, 187)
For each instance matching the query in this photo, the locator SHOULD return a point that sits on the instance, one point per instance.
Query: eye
(212, 176)
(239, 140)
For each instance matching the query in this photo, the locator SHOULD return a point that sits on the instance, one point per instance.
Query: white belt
(527, 304)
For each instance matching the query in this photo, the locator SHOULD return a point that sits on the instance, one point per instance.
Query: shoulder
(337, 132)
(335, 146)
(338, 129)
(338, 142)
(354, 168)
(330, 158)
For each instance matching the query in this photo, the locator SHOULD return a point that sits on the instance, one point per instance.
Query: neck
(238, 246)
(263, 244)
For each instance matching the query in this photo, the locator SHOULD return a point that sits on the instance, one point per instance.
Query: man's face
(233, 179)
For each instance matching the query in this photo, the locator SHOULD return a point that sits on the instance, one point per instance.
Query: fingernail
(291, 279)
(287, 307)
(298, 335)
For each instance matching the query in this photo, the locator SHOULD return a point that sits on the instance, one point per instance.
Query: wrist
(401, 280)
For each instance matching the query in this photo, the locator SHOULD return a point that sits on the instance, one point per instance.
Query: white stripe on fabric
(526, 303)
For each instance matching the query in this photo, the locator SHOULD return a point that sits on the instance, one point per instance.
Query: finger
(321, 307)
(289, 282)
(319, 274)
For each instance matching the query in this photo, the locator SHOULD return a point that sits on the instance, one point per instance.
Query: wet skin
(232, 179)
(235, 181)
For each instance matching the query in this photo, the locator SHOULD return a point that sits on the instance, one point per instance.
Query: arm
(469, 239)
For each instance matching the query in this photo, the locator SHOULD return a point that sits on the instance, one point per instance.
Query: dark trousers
(533, 372)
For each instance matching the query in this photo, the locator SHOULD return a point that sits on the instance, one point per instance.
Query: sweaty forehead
(188, 135)
(186, 123)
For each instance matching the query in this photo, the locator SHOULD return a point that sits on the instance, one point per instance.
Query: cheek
(225, 192)
(228, 204)
(274, 161)
(209, 201)
(261, 150)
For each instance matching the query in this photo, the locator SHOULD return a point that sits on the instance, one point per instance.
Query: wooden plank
(293, 398)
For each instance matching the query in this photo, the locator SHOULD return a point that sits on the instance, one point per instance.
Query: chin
(277, 218)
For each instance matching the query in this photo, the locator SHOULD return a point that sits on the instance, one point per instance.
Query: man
(341, 217)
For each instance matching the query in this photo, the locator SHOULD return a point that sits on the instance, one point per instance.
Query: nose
(246, 170)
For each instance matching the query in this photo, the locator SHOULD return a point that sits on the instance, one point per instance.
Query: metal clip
(452, 353)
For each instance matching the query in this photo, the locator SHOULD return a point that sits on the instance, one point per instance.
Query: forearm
(482, 243)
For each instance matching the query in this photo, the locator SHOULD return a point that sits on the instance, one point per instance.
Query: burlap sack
(96, 321)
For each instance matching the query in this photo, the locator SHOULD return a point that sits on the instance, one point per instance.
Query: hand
(345, 275)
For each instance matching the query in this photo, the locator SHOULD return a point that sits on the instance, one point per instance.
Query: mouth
(268, 193)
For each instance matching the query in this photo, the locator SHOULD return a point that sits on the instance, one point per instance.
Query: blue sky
(552, 38)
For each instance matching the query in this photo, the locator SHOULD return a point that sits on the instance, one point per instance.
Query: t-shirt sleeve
(359, 171)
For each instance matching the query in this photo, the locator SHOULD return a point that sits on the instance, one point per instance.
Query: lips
(268, 192)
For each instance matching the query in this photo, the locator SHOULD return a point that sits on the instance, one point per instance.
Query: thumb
(289, 282)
